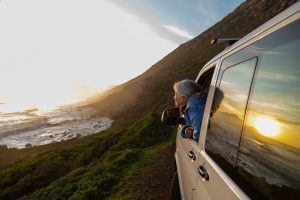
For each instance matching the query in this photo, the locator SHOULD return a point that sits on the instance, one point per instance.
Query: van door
(224, 114)
(188, 149)
(186, 165)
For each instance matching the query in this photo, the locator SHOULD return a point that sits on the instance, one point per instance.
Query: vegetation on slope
(113, 166)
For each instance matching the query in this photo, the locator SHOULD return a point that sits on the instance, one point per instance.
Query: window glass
(223, 135)
(269, 157)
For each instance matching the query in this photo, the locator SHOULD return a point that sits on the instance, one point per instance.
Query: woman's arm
(196, 115)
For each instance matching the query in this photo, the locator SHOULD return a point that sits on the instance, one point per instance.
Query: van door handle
(192, 155)
(202, 171)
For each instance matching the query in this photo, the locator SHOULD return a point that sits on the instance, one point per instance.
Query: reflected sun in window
(267, 126)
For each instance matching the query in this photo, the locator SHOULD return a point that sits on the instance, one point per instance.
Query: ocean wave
(21, 130)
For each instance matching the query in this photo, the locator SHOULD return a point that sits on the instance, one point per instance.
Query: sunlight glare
(267, 126)
(49, 60)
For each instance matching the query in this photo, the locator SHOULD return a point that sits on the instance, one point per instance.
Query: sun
(267, 126)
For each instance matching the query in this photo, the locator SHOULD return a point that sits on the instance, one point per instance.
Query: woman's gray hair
(187, 87)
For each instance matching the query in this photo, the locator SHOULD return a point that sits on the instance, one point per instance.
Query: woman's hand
(189, 132)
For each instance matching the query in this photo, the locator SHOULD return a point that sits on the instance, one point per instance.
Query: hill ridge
(152, 90)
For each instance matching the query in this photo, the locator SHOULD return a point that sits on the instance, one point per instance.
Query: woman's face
(180, 100)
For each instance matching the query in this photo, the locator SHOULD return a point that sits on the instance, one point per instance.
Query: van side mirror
(171, 116)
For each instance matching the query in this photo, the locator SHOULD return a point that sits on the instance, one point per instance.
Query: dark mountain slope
(152, 91)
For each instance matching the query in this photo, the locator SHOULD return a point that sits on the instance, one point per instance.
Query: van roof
(275, 20)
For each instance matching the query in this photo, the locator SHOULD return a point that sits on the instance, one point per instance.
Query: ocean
(33, 128)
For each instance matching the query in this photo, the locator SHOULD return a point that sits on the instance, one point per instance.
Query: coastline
(33, 128)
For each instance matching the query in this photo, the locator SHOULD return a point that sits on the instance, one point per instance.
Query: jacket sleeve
(196, 115)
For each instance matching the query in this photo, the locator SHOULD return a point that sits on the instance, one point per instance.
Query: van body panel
(187, 165)
(179, 171)
(219, 186)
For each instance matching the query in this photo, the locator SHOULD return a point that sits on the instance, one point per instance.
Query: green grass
(149, 178)
(113, 165)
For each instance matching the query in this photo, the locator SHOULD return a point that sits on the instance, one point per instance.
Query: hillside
(134, 158)
(152, 91)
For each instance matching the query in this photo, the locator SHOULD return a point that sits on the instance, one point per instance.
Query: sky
(62, 51)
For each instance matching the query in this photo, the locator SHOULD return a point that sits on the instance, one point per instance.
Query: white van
(249, 146)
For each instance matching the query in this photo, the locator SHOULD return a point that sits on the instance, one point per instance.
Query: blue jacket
(194, 114)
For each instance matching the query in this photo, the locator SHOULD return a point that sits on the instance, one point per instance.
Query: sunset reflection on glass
(267, 126)
(271, 127)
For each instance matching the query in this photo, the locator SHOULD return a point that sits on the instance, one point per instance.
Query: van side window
(226, 121)
(269, 156)
(205, 79)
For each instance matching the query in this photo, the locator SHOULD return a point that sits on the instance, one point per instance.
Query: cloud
(194, 16)
(178, 31)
